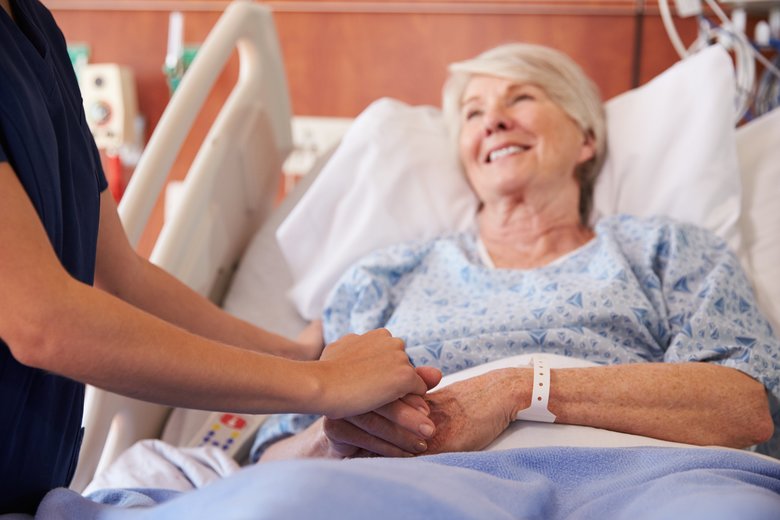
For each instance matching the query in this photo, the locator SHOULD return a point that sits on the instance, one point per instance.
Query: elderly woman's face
(513, 136)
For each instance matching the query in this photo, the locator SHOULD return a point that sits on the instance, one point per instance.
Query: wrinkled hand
(470, 414)
(397, 429)
(361, 373)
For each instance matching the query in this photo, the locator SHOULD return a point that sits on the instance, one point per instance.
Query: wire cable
(636, 62)
(730, 26)
(671, 30)
(747, 53)
(748, 93)
(767, 92)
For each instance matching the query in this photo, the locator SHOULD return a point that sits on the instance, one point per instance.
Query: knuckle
(371, 423)
(393, 410)
(333, 428)
(382, 332)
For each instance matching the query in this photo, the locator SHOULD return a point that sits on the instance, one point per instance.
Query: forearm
(93, 337)
(53, 322)
(124, 274)
(151, 289)
(697, 403)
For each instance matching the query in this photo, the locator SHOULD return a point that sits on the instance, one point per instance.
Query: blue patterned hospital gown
(644, 290)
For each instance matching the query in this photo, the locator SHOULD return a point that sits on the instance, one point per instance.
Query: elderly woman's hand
(397, 429)
(470, 414)
(380, 432)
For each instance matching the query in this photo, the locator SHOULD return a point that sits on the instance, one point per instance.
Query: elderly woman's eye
(522, 97)
(471, 114)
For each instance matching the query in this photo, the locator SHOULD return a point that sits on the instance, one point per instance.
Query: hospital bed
(226, 240)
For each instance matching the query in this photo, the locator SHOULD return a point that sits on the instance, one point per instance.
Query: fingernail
(424, 410)
(421, 446)
(426, 429)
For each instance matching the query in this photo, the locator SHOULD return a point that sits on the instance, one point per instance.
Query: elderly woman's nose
(496, 121)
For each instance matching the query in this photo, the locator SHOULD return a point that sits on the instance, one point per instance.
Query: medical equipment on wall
(178, 56)
(111, 108)
(755, 95)
(174, 56)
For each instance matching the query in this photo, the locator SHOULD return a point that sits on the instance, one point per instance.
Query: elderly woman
(664, 309)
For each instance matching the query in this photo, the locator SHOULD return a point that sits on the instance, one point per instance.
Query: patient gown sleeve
(712, 312)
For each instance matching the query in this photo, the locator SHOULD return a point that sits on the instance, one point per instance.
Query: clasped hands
(464, 416)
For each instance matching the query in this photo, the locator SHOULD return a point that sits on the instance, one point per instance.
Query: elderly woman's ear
(588, 151)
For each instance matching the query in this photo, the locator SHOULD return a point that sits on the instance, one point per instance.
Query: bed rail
(228, 191)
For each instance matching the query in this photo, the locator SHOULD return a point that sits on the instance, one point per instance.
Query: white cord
(730, 26)
(728, 35)
(671, 30)
(767, 92)
(744, 56)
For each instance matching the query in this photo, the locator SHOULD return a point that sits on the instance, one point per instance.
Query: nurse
(78, 305)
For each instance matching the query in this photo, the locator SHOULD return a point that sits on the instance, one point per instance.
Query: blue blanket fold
(544, 483)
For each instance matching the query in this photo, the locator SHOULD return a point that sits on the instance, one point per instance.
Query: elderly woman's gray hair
(559, 76)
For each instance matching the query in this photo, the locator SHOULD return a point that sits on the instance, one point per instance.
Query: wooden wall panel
(353, 59)
(340, 56)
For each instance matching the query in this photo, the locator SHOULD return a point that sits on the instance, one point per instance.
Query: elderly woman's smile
(503, 151)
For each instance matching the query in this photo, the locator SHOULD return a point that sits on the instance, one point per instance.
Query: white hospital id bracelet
(539, 396)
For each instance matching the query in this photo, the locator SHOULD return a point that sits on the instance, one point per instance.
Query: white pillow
(395, 177)
(758, 144)
(672, 148)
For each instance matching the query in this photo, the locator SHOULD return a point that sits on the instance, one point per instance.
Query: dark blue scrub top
(45, 138)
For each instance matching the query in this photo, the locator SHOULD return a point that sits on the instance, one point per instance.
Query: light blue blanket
(545, 483)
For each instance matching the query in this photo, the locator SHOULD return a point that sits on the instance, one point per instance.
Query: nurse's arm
(132, 278)
(53, 322)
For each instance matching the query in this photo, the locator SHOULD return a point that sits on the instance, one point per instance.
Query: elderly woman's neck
(523, 236)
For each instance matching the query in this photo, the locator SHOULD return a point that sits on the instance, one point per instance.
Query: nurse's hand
(361, 373)
(398, 429)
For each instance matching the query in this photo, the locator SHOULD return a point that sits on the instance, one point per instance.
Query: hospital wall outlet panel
(110, 104)
(312, 138)
(686, 8)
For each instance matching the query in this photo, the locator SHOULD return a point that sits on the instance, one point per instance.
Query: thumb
(430, 375)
